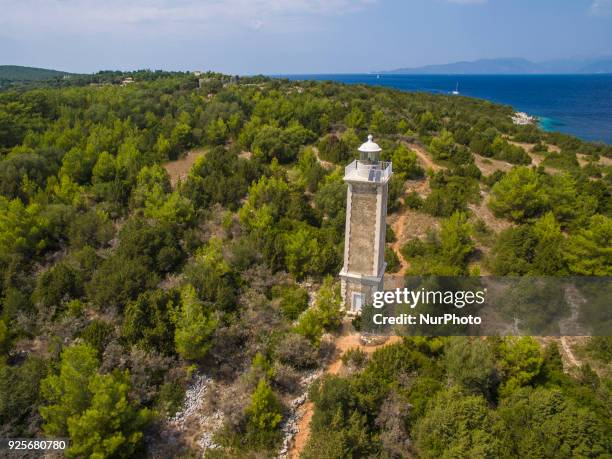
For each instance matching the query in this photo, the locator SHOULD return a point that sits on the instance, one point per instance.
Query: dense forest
(121, 283)
(16, 75)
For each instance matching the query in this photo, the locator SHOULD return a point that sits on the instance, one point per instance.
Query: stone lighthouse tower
(366, 212)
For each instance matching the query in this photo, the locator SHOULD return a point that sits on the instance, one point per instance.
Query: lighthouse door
(357, 302)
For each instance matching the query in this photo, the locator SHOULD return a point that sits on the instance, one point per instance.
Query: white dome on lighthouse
(369, 146)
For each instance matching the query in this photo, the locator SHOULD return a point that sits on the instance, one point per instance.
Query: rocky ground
(291, 425)
(192, 427)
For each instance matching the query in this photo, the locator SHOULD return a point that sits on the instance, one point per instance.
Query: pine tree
(194, 326)
(67, 393)
(455, 241)
(264, 415)
(111, 426)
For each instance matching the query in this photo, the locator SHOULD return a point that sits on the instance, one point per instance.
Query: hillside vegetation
(120, 287)
(18, 72)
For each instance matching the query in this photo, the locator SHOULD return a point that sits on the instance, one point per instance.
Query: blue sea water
(580, 105)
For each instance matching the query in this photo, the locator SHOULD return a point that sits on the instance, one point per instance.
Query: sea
(580, 105)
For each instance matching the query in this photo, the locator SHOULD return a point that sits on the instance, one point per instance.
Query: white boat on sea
(456, 91)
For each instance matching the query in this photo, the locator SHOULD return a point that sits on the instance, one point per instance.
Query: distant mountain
(600, 66)
(513, 66)
(20, 73)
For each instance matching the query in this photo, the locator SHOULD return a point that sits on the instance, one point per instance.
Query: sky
(295, 36)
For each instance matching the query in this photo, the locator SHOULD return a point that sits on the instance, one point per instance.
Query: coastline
(523, 119)
(576, 105)
(548, 124)
(543, 122)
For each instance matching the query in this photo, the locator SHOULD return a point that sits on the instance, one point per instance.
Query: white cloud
(601, 7)
(84, 16)
(257, 24)
(468, 2)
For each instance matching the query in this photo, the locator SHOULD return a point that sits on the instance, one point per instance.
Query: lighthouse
(366, 213)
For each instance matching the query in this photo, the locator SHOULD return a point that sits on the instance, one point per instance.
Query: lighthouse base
(358, 290)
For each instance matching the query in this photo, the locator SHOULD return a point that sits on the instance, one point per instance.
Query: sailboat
(456, 91)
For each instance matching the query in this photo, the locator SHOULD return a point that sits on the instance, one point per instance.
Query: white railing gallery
(372, 172)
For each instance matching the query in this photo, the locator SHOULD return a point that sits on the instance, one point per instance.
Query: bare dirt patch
(420, 186)
(529, 146)
(407, 225)
(489, 165)
(567, 346)
(536, 157)
(398, 225)
(567, 351)
(322, 162)
(179, 168)
(416, 224)
(398, 228)
(423, 156)
(347, 340)
(537, 160)
(605, 161)
(578, 346)
(583, 160)
(483, 212)
(245, 155)
(525, 146)
(38, 347)
(301, 438)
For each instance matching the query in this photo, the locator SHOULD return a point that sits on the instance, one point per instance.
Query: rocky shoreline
(522, 119)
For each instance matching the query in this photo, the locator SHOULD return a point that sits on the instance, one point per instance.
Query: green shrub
(293, 299)
(405, 162)
(393, 262)
(413, 200)
(333, 149)
(354, 357)
(389, 234)
(97, 334)
(264, 415)
(413, 248)
(600, 347)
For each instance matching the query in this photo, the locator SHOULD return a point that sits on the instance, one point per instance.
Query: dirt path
(301, 438)
(568, 352)
(347, 340)
(322, 162)
(569, 327)
(572, 334)
(398, 229)
(421, 187)
(179, 168)
(483, 212)
(489, 165)
(423, 156)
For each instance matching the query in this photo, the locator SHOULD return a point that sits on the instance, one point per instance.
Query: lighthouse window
(357, 302)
